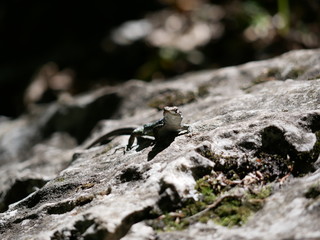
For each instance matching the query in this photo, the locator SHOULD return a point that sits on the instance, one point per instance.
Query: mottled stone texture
(50, 188)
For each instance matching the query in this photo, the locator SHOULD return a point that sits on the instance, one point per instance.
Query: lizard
(170, 123)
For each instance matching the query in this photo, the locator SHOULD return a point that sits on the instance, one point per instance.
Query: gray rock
(261, 117)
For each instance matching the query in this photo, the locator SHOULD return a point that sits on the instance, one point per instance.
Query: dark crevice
(128, 221)
(19, 190)
(250, 145)
(200, 171)
(276, 148)
(45, 193)
(314, 120)
(68, 206)
(75, 233)
(130, 174)
(61, 208)
(32, 216)
(274, 142)
(100, 232)
(169, 197)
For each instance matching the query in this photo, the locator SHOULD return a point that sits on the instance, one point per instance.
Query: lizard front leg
(130, 141)
(138, 132)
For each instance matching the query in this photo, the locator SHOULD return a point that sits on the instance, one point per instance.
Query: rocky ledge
(248, 169)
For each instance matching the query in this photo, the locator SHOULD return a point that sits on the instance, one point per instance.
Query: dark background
(76, 35)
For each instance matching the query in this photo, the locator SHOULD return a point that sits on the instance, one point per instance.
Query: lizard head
(172, 116)
(171, 111)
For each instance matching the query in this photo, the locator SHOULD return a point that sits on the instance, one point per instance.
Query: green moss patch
(275, 74)
(313, 191)
(214, 203)
(173, 97)
(268, 75)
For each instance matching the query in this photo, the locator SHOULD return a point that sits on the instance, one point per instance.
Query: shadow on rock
(161, 144)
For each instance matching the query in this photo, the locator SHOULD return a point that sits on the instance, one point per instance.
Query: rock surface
(259, 122)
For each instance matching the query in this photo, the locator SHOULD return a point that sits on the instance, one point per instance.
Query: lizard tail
(109, 135)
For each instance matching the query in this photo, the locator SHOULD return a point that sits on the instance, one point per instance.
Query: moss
(171, 98)
(275, 74)
(268, 75)
(203, 90)
(262, 194)
(60, 179)
(171, 224)
(313, 191)
(294, 73)
(194, 207)
(255, 200)
(230, 211)
(236, 212)
(315, 77)
(209, 186)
